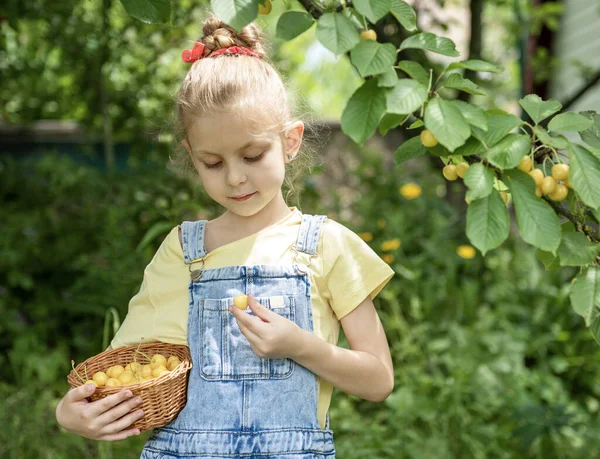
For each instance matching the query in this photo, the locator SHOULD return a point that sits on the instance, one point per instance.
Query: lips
(243, 197)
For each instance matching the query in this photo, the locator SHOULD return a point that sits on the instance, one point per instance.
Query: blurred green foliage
(490, 360)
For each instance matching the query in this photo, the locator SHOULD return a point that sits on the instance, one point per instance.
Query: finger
(252, 337)
(80, 393)
(259, 310)
(119, 411)
(120, 435)
(245, 319)
(122, 423)
(101, 406)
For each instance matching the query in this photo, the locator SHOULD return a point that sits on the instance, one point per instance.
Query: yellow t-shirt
(343, 274)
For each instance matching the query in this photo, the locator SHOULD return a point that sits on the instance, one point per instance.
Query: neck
(273, 212)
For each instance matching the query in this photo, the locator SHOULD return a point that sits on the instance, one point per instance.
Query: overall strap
(308, 235)
(192, 237)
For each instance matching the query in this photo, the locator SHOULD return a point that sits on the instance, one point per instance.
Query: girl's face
(241, 171)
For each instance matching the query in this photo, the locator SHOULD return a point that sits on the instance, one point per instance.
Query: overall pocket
(226, 352)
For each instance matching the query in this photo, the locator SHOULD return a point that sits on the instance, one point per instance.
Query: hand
(104, 419)
(270, 335)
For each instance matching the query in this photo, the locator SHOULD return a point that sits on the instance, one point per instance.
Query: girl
(263, 376)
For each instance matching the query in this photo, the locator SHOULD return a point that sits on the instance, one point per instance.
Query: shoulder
(334, 233)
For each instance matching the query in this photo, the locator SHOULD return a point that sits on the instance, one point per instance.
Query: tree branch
(311, 8)
(585, 88)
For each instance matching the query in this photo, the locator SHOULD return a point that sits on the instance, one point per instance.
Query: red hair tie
(197, 52)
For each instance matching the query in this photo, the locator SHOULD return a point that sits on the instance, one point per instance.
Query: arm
(365, 370)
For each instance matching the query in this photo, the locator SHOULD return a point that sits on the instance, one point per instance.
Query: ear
(293, 140)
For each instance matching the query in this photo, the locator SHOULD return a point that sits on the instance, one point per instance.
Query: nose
(236, 175)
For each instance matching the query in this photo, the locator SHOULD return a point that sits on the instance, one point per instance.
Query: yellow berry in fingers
(525, 164)
(560, 192)
(560, 171)
(368, 35)
(548, 185)
(461, 169)
(450, 172)
(240, 301)
(537, 176)
(428, 139)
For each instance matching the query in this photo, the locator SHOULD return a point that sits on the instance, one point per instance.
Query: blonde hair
(245, 84)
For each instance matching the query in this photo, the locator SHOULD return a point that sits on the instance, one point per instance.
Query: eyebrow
(242, 148)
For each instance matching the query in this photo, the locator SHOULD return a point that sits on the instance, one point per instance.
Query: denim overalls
(238, 404)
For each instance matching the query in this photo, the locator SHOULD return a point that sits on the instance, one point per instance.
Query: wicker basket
(162, 398)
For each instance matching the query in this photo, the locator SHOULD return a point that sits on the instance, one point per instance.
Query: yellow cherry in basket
(126, 377)
(172, 364)
(115, 371)
(159, 371)
(100, 378)
(147, 371)
(158, 360)
(113, 382)
(240, 301)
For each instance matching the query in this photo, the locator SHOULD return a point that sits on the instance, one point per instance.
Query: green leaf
(591, 136)
(374, 10)
(431, 42)
(405, 15)
(406, 97)
(556, 142)
(337, 33)
(153, 232)
(551, 262)
(409, 149)
(584, 174)
(471, 147)
(293, 23)
(569, 122)
(236, 13)
(585, 293)
(576, 250)
(149, 11)
(456, 81)
(538, 223)
(390, 121)
(480, 181)
(388, 79)
(507, 153)
(447, 123)
(488, 222)
(539, 109)
(415, 71)
(475, 116)
(416, 124)
(363, 111)
(371, 58)
(476, 65)
(499, 124)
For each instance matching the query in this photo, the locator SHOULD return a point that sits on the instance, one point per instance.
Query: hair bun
(217, 35)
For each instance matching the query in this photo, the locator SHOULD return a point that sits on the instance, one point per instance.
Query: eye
(253, 159)
(213, 166)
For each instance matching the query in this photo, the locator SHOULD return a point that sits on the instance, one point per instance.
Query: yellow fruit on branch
(450, 172)
(560, 192)
(504, 196)
(368, 35)
(525, 164)
(548, 185)
(428, 139)
(461, 169)
(265, 7)
(560, 171)
(537, 176)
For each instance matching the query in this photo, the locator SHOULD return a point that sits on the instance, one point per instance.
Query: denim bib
(238, 404)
